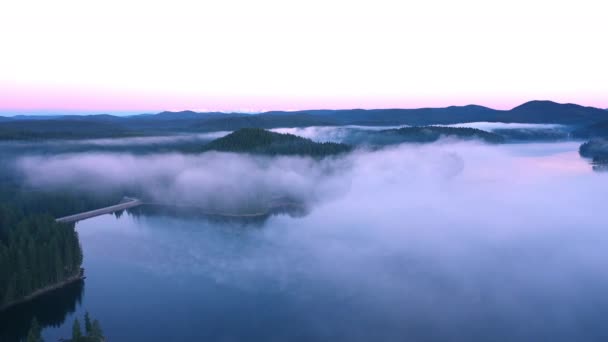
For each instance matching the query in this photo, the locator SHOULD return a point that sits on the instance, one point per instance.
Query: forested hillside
(62, 129)
(259, 141)
(596, 149)
(97, 126)
(434, 133)
(596, 130)
(35, 252)
(421, 134)
(533, 134)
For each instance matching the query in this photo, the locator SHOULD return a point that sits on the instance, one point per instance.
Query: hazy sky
(125, 56)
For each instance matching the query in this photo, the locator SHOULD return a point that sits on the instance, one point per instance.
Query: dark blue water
(513, 246)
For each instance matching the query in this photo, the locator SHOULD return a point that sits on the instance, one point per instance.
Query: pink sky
(20, 100)
(241, 55)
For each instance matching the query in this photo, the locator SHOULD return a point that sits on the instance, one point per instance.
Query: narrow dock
(124, 204)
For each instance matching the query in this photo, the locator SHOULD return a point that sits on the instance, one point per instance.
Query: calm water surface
(510, 246)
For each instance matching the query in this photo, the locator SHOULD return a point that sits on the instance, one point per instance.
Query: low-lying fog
(446, 241)
(342, 133)
(229, 181)
(330, 133)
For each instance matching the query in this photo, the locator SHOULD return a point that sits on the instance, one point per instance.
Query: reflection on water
(600, 167)
(50, 310)
(256, 217)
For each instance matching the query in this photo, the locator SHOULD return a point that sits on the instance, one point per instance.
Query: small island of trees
(260, 141)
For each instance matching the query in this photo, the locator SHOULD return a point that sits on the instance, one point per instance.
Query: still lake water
(504, 243)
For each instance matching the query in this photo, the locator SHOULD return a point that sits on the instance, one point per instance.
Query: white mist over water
(343, 133)
(330, 133)
(201, 138)
(446, 241)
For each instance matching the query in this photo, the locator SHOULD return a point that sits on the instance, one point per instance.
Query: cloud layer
(448, 241)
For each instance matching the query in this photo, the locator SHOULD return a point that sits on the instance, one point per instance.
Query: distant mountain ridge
(533, 112)
(189, 121)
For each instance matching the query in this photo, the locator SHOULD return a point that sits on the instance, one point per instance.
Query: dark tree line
(595, 130)
(595, 149)
(92, 331)
(35, 252)
(422, 134)
(61, 129)
(95, 126)
(51, 309)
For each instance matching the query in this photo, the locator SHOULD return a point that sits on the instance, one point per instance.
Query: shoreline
(203, 211)
(45, 290)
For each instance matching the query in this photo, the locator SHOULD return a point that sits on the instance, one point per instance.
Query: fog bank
(447, 241)
(232, 181)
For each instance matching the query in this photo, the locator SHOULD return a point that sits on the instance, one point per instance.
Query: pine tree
(11, 290)
(76, 332)
(34, 334)
(96, 330)
(87, 324)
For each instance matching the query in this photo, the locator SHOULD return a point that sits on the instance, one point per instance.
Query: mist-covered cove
(450, 241)
(303, 171)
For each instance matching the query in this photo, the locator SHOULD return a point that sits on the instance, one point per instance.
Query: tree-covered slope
(595, 148)
(597, 151)
(35, 252)
(552, 112)
(533, 134)
(421, 134)
(91, 126)
(596, 130)
(259, 141)
(62, 129)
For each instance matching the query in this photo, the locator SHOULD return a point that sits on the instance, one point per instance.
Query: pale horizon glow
(250, 56)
